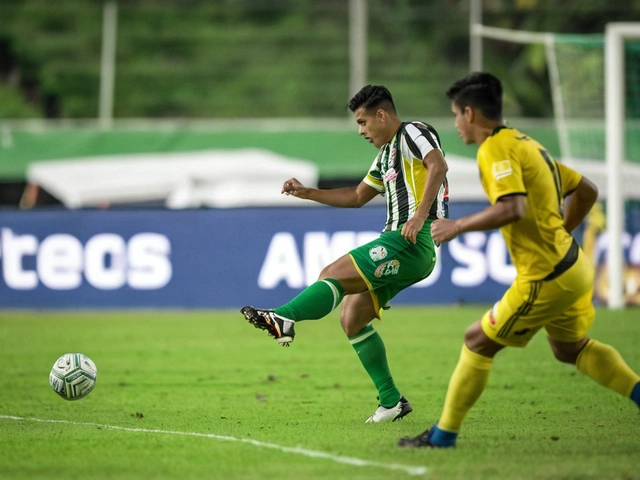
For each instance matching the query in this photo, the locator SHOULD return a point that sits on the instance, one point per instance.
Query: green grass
(210, 373)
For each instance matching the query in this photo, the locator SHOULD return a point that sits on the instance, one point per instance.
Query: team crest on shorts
(387, 268)
(377, 253)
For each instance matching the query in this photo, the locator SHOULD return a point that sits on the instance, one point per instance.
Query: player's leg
(387, 265)
(469, 378)
(314, 302)
(602, 363)
(507, 324)
(322, 297)
(357, 314)
(467, 383)
(525, 307)
(570, 344)
(390, 258)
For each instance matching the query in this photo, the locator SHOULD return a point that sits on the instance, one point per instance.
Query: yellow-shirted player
(536, 202)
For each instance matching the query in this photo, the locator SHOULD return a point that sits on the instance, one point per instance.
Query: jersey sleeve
(420, 139)
(570, 178)
(374, 176)
(501, 172)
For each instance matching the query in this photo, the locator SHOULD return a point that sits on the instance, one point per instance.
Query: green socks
(321, 298)
(318, 300)
(314, 302)
(373, 355)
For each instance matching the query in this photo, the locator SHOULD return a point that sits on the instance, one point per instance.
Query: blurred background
(270, 58)
(158, 105)
(206, 66)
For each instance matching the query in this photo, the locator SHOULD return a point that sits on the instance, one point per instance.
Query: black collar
(497, 129)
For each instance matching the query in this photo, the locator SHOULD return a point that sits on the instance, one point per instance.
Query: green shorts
(391, 263)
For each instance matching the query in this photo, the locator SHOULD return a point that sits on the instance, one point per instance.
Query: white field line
(411, 470)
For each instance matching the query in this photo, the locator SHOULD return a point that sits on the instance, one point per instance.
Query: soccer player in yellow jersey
(536, 202)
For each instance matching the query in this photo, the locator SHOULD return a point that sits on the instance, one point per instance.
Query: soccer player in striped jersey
(410, 171)
(536, 202)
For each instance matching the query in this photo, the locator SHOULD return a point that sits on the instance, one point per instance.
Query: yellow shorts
(562, 306)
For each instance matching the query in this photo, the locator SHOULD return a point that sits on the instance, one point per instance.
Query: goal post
(593, 78)
(550, 43)
(615, 91)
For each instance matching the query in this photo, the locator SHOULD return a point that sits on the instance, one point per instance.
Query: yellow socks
(467, 383)
(599, 361)
(604, 364)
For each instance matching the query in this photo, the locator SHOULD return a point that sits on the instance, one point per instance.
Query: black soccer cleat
(424, 440)
(421, 440)
(282, 329)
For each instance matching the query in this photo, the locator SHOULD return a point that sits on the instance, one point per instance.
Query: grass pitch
(204, 395)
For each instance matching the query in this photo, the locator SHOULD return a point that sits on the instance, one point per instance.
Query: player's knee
(564, 356)
(350, 330)
(567, 352)
(338, 269)
(477, 341)
(325, 273)
(346, 315)
(473, 335)
(351, 325)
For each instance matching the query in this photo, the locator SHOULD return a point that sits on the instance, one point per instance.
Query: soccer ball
(73, 376)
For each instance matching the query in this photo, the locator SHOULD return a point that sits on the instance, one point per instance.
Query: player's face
(462, 124)
(372, 126)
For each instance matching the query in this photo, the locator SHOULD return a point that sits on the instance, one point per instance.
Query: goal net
(595, 104)
(575, 66)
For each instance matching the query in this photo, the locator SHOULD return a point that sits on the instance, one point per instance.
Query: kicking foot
(279, 328)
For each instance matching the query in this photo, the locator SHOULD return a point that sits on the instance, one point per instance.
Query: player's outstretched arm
(346, 197)
(578, 204)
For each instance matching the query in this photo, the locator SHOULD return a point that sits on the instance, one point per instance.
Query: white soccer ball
(73, 376)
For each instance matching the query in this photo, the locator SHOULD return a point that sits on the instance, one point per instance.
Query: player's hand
(411, 228)
(294, 187)
(443, 230)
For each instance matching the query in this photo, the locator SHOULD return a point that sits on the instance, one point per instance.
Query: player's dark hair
(479, 90)
(372, 97)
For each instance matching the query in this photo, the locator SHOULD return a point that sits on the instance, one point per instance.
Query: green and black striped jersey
(399, 174)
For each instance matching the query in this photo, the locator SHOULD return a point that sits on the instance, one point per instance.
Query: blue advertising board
(223, 258)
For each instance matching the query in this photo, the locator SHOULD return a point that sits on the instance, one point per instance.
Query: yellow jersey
(511, 163)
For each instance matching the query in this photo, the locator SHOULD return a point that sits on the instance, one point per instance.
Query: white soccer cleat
(383, 414)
